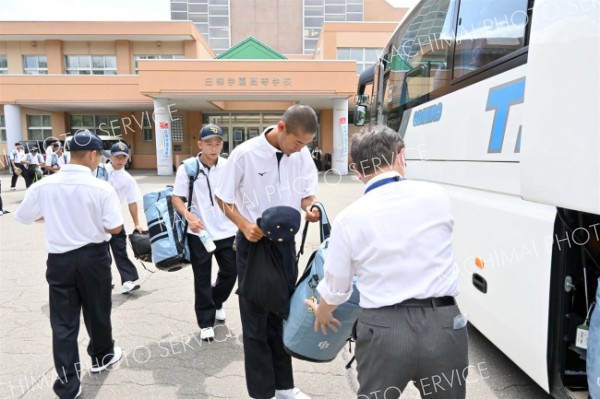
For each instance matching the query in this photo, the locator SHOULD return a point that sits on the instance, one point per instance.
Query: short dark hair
(300, 119)
(374, 147)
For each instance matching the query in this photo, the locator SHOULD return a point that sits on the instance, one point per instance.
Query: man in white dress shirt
(128, 191)
(398, 239)
(81, 212)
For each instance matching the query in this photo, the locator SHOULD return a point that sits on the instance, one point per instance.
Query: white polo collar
(270, 148)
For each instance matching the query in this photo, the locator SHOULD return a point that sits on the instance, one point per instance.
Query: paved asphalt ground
(164, 357)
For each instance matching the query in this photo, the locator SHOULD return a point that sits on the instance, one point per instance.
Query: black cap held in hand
(280, 223)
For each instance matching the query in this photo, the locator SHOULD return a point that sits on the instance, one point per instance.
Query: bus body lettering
(500, 99)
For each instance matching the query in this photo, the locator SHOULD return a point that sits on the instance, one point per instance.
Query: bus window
(418, 54)
(488, 30)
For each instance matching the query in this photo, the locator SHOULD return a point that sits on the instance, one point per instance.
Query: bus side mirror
(360, 115)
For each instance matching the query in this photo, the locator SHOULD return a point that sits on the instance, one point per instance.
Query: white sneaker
(1, 213)
(13, 188)
(294, 393)
(116, 357)
(220, 314)
(207, 334)
(129, 286)
(78, 392)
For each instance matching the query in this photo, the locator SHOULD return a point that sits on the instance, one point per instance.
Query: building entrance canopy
(242, 85)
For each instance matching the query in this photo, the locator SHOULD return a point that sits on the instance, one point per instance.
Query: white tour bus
(498, 101)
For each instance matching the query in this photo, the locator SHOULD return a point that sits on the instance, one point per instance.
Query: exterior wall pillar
(163, 138)
(123, 50)
(339, 162)
(56, 57)
(14, 127)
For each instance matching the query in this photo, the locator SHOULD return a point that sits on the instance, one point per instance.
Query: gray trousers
(396, 345)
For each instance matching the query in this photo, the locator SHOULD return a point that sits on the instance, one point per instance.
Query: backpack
(54, 162)
(168, 229)
(9, 158)
(38, 157)
(299, 338)
(101, 172)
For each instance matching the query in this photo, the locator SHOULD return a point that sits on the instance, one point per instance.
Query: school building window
(3, 65)
(35, 65)
(148, 130)
(177, 128)
(211, 18)
(154, 57)
(2, 129)
(98, 124)
(318, 11)
(364, 57)
(39, 127)
(91, 64)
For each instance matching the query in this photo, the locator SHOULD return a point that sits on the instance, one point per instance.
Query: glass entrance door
(241, 127)
(239, 135)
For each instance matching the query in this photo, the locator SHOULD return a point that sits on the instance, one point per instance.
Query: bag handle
(324, 226)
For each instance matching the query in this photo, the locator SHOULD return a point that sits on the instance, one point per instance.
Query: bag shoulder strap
(102, 173)
(192, 168)
(324, 225)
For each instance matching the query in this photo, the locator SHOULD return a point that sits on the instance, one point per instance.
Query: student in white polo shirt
(15, 158)
(129, 192)
(270, 170)
(398, 239)
(204, 214)
(33, 161)
(81, 212)
(58, 159)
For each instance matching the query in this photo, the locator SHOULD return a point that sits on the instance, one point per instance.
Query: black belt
(428, 302)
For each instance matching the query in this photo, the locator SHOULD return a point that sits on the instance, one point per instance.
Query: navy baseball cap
(119, 148)
(84, 140)
(280, 223)
(56, 144)
(34, 148)
(18, 143)
(210, 131)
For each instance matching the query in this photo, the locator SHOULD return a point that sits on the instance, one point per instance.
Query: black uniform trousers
(13, 179)
(268, 366)
(79, 279)
(126, 268)
(209, 298)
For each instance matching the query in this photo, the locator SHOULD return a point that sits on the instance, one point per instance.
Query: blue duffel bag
(166, 228)
(299, 338)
